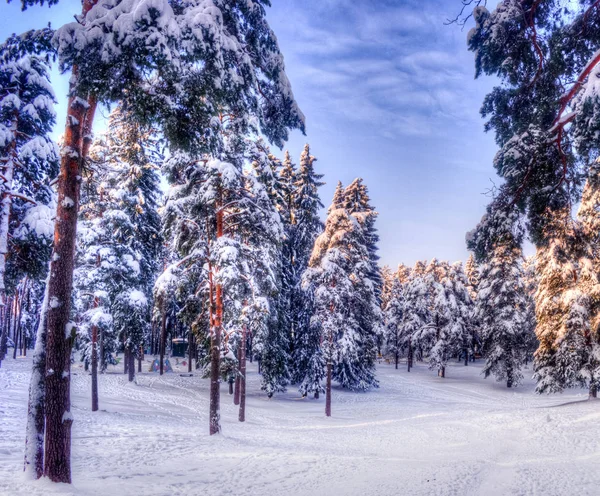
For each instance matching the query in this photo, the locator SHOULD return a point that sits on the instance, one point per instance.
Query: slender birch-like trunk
(34, 438)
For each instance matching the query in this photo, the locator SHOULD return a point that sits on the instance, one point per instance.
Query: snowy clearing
(417, 435)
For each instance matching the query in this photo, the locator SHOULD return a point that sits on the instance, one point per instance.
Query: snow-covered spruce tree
(270, 278)
(307, 225)
(176, 65)
(353, 360)
(530, 282)
(332, 279)
(444, 334)
(566, 303)
(338, 197)
(501, 304)
(387, 280)
(416, 312)
(472, 273)
(120, 243)
(394, 315)
(463, 323)
(356, 201)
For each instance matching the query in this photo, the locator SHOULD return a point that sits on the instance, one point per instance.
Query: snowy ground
(416, 435)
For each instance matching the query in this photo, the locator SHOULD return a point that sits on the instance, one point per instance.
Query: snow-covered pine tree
(416, 312)
(501, 304)
(387, 280)
(272, 337)
(357, 203)
(338, 197)
(443, 335)
(463, 323)
(472, 273)
(120, 243)
(343, 244)
(530, 282)
(566, 303)
(332, 279)
(307, 225)
(227, 230)
(394, 315)
(403, 273)
(356, 199)
(29, 161)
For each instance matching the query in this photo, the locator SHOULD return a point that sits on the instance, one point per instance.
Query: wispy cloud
(381, 62)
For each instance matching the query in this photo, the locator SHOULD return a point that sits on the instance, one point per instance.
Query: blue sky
(389, 96)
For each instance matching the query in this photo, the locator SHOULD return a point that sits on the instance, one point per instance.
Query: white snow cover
(137, 298)
(417, 434)
(39, 220)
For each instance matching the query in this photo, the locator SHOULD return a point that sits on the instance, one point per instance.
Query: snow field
(417, 434)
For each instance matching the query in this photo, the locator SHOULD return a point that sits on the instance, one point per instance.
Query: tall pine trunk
(95, 367)
(242, 415)
(215, 345)
(77, 139)
(34, 437)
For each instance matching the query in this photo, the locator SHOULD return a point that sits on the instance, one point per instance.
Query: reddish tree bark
(215, 345)
(77, 138)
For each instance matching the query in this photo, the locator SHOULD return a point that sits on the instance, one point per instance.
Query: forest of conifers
(182, 221)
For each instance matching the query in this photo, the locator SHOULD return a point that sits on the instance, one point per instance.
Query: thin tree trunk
(140, 358)
(190, 354)
(593, 391)
(95, 363)
(3, 335)
(397, 356)
(131, 366)
(163, 337)
(410, 356)
(125, 357)
(34, 437)
(13, 326)
(328, 390)
(236, 393)
(101, 357)
(242, 415)
(7, 328)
